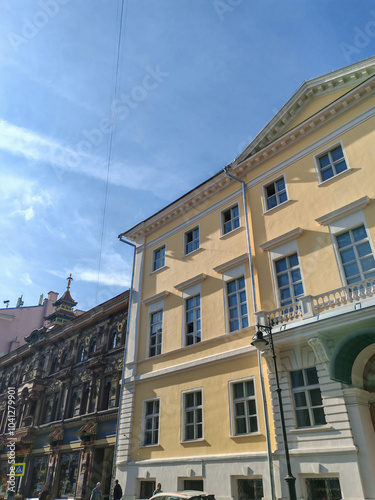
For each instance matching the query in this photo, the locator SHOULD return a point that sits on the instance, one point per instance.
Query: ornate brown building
(66, 379)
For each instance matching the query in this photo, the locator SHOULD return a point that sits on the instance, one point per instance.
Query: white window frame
(222, 212)
(154, 259)
(230, 275)
(324, 152)
(192, 297)
(265, 198)
(341, 226)
(154, 307)
(279, 253)
(232, 410)
(188, 292)
(186, 243)
(143, 426)
(183, 415)
(306, 390)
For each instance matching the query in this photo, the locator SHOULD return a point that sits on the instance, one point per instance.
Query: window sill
(315, 428)
(158, 270)
(332, 179)
(156, 445)
(193, 441)
(240, 436)
(227, 235)
(198, 250)
(270, 211)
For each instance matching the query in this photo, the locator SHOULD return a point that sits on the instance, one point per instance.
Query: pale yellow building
(284, 235)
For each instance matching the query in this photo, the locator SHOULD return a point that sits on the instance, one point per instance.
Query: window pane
(344, 240)
(249, 388)
(299, 399)
(280, 184)
(337, 153)
(347, 255)
(238, 390)
(283, 197)
(283, 279)
(253, 424)
(251, 407)
(241, 426)
(359, 233)
(272, 201)
(311, 376)
(327, 174)
(240, 409)
(298, 289)
(293, 260)
(241, 283)
(231, 286)
(364, 249)
(315, 397)
(303, 418)
(297, 378)
(368, 263)
(340, 166)
(319, 417)
(351, 270)
(234, 325)
(324, 161)
(281, 265)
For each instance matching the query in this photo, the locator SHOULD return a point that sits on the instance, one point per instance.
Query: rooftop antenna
(41, 300)
(6, 302)
(19, 302)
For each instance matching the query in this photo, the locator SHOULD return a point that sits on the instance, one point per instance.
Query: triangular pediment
(312, 96)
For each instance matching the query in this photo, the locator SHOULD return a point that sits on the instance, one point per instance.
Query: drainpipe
(268, 437)
(125, 350)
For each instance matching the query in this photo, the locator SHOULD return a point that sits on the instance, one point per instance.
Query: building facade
(66, 381)
(17, 322)
(282, 237)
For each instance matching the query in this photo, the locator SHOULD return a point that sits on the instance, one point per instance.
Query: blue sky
(196, 81)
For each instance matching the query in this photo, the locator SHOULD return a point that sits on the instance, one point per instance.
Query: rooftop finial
(70, 279)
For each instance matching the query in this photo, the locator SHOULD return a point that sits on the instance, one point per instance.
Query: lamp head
(259, 341)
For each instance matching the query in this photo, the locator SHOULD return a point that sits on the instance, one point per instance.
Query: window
(237, 305)
(81, 353)
(244, 408)
(147, 489)
(328, 488)
(151, 422)
(275, 193)
(250, 489)
(289, 279)
(113, 339)
(193, 416)
(156, 332)
(191, 240)
(308, 403)
(193, 320)
(356, 255)
(230, 219)
(158, 260)
(331, 163)
(193, 485)
(93, 346)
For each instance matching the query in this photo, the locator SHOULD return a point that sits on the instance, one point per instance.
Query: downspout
(268, 438)
(123, 367)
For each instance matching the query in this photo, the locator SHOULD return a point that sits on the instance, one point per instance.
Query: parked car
(183, 495)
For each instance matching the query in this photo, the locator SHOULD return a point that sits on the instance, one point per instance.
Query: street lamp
(260, 343)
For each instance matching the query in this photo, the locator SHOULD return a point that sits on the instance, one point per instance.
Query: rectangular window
(230, 219)
(250, 489)
(146, 489)
(191, 240)
(328, 488)
(308, 403)
(237, 305)
(356, 255)
(193, 319)
(193, 416)
(275, 193)
(331, 163)
(151, 422)
(289, 279)
(156, 333)
(244, 409)
(193, 485)
(158, 259)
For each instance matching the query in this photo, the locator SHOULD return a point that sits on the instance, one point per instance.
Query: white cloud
(28, 213)
(81, 159)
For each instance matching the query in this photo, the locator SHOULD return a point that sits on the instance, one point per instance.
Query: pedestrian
(44, 493)
(158, 489)
(96, 493)
(117, 491)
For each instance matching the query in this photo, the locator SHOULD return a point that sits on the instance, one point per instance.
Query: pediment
(312, 96)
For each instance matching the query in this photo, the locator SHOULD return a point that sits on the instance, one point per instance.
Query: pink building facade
(18, 322)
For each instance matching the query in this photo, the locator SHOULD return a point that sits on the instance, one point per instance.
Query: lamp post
(260, 343)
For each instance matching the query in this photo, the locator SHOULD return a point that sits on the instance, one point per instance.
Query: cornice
(281, 240)
(155, 298)
(345, 211)
(279, 143)
(222, 268)
(191, 282)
